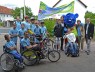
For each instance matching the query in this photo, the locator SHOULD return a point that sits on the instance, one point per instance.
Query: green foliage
(49, 23)
(1, 23)
(16, 12)
(91, 16)
(36, 17)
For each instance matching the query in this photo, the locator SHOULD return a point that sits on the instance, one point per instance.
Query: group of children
(32, 26)
(21, 30)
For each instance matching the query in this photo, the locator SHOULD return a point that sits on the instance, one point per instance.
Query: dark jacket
(58, 29)
(90, 30)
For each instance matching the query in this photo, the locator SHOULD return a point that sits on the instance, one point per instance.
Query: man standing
(63, 31)
(79, 28)
(62, 23)
(89, 31)
(58, 33)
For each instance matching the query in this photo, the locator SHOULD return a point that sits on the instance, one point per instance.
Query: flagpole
(24, 9)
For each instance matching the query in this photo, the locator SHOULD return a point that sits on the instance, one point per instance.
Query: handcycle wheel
(53, 56)
(29, 57)
(7, 62)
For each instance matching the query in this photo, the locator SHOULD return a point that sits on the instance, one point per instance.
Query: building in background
(6, 15)
(79, 7)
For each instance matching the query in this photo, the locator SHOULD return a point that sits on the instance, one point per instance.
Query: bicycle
(32, 57)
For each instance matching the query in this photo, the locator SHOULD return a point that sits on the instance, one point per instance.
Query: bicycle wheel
(50, 43)
(29, 57)
(54, 56)
(7, 62)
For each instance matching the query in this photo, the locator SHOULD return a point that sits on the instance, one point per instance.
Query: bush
(1, 23)
(49, 23)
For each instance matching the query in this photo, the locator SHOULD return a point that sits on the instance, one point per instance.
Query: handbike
(32, 57)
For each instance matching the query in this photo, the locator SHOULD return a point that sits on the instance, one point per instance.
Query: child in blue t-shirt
(37, 32)
(21, 31)
(14, 33)
(43, 30)
(11, 47)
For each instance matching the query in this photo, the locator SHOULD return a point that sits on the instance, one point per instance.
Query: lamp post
(24, 9)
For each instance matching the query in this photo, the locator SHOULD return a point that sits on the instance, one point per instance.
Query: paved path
(4, 30)
(84, 63)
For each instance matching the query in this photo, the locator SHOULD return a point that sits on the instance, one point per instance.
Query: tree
(91, 16)
(16, 12)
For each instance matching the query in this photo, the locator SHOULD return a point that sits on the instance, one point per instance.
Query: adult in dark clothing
(64, 26)
(89, 31)
(58, 29)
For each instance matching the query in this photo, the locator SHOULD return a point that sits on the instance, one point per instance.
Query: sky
(34, 4)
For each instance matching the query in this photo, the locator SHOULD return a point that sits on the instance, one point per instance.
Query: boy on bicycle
(25, 42)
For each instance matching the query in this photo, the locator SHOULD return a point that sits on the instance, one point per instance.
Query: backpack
(74, 51)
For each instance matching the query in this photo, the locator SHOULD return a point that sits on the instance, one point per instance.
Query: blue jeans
(17, 55)
(71, 46)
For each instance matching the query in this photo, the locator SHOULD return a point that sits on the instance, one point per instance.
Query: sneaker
(88, 53)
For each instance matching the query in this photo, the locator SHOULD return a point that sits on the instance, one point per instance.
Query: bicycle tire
(52, 54)
(30, 56)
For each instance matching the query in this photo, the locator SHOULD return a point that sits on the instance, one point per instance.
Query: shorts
(58, 41)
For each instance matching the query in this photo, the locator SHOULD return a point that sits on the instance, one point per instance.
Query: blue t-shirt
(79, 30)
(18, 24)
(21, 32)
(25, 42)
(27, 25)
(37, 31)
(13, 52)
(12, 32)
(43, 31)
(32, 27)
(9, 45)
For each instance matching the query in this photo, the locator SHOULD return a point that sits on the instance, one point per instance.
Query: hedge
(1, 23)
(49, 23)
